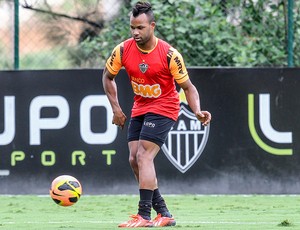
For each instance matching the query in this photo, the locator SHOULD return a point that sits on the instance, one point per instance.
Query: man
(152, 66)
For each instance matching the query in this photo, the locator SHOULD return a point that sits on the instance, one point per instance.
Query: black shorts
(151, 127)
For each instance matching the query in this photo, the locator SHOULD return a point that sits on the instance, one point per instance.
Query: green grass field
(191, 212)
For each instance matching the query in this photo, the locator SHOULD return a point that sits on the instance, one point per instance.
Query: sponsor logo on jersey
(113, 56)
(146, 90)
(179, 64)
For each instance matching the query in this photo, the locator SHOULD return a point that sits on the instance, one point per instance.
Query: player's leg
(155, 130)
(133, 136)
(164, 217)
(142, 218)
(147, 151)
(133, 148)
(159, 204)
(142, 162)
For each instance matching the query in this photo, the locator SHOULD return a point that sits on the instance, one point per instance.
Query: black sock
(159, 204)
(145, 203)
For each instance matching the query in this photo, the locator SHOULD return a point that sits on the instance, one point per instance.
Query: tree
(58, 28)
(208, 33)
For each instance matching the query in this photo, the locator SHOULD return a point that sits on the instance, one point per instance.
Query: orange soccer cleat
(136, 222)
(163, 221)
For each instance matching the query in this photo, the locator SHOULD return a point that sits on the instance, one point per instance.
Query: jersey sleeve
(177, 67)
(114, 62)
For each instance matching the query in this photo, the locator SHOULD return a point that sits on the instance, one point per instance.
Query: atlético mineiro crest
(143, 67)
(187, 140)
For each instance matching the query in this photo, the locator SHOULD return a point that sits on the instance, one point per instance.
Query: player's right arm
(113, 65)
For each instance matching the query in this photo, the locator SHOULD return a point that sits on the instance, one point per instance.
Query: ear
(152, 24)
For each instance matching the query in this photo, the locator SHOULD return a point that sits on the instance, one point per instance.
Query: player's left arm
(180, 74)
(193, 99)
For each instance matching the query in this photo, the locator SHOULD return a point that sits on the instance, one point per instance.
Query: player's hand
(119, 119)
(204, 117)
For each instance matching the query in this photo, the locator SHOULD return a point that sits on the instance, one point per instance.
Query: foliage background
(77, 34)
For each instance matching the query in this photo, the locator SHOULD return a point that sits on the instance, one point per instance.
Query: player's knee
(143, 157)
(132, 161)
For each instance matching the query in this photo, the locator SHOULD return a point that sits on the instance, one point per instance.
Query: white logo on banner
(187, 140)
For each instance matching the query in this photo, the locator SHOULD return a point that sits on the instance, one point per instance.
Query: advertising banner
(60, 122)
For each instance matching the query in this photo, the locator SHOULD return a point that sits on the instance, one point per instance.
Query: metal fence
(65, 34)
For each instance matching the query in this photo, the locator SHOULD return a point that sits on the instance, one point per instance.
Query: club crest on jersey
(143, 67)
(186, 141)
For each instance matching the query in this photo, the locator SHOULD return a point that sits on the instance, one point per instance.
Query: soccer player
(153, 67)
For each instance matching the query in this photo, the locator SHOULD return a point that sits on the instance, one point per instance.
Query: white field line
(167, 195)
(117, 222)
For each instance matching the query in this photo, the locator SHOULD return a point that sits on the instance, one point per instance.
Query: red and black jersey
(152, 74)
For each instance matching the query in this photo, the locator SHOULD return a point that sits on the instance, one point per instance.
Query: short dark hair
(142, 7)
